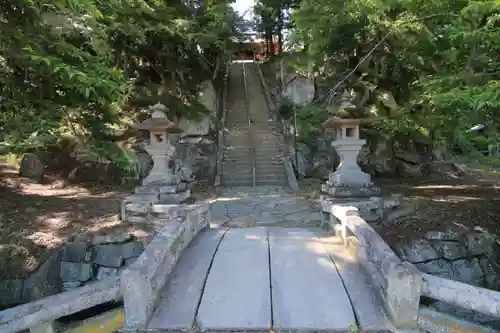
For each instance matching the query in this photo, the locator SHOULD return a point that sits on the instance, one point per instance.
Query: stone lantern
(348, 180)
(162, 186)
(160, 147)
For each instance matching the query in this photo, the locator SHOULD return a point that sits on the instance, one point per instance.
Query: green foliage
(309, 119)
(432, 68)
(107, 152)
(309, 123)
(80, 67)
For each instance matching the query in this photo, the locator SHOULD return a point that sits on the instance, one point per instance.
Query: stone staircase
(265, 138)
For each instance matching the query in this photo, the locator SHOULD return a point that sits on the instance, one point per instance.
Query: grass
(11, 159)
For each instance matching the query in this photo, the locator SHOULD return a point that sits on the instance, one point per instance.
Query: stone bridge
(258, 279)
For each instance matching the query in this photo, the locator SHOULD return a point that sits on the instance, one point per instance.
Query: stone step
(250, 182)
(258, 149)
(228, 174)
(264, 152)
(259, 160)
(262, 164)
(261, 153)
(276, 179)
(273, 178)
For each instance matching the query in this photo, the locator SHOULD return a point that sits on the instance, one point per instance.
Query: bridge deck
(268, 278)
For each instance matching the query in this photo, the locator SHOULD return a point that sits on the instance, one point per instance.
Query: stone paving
(263, 206)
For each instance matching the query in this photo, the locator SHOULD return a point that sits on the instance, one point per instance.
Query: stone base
(137, 208)
(350, 190)
(372, 210)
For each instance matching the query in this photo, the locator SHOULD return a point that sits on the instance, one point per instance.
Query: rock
(67, 286)
(132, 249)
(75, 252)
(10, 292)
(106, 272)
(31, 167)
(381, 158)
(195, 127)
(109, 255)
(142, 162)
(491, 272)
(299, 89)
(202, 126)
(450, 250)
(419, 251)
(408, 156)
(444, 168)
(198, 156)
(114, 237)
(75, 271)
(323, 164)
(480, 243)
(187, 175)
(468, 271)
(45, 281)
(448, 235)
(438, 267)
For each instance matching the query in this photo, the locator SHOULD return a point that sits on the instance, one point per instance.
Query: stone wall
(103, 257)
(472, 258)
(76, 264)
(468, 257)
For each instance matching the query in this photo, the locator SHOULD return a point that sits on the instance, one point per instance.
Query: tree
(431, 67)
(79, 66)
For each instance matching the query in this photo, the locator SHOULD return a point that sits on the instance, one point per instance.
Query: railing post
(138, 298)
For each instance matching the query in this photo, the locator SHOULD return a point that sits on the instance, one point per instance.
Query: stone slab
(237, 295)
(180, 297)
(307, 291)
(368, 308)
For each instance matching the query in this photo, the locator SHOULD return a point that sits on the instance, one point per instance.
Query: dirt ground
(36, 219)
(469, 202)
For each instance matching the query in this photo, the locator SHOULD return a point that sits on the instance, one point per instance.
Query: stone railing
(143, 280)
(287, 159)
(41, 314)
(220, 129)
(399, 283)
(463, 295)
(138, 285)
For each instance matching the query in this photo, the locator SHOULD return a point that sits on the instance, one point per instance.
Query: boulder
(381, 158)
(143, 163)
(31, 167)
